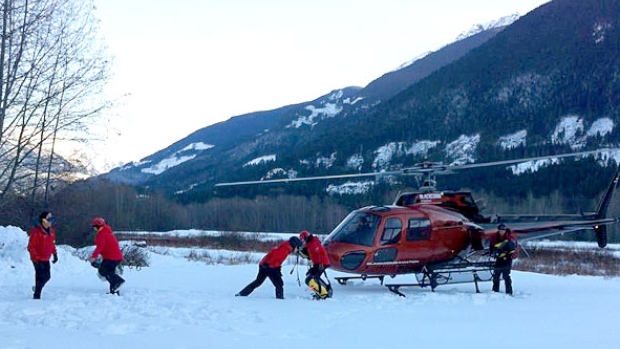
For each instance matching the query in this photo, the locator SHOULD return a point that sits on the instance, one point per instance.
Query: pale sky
(188, 64)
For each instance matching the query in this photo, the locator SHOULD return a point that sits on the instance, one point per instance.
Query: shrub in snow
(135, 256)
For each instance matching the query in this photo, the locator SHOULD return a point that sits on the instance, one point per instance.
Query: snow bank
(13, 246)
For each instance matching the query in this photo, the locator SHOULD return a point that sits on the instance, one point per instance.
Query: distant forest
(570, 188)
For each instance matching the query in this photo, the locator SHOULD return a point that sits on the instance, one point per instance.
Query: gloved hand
(304, 253)
(95, 264)
(55, 258)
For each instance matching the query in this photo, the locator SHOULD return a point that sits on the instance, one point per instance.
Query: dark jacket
(503, 247)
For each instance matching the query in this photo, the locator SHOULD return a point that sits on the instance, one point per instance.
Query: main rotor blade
(285, 180)
(546, 157)
(425, 167)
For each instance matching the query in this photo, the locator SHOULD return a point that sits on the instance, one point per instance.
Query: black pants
(315, 271)
(42, 275)
(108, 271)
(502, 269)
(274, 274)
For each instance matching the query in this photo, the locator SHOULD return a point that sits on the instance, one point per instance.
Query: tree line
(53, 65)
(129, 209)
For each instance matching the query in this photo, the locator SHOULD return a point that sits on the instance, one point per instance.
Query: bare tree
(52, 69)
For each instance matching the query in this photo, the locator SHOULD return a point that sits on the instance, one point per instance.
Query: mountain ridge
(381, 88)
(525, 79)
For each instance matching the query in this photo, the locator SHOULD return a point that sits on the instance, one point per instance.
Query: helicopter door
(417, 245)
(391, 231)
(391, 235)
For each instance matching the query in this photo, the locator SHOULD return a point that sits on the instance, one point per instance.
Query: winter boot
(495, 286)
(279, 293)
(508, 283)
(117, 286)
(36, 292)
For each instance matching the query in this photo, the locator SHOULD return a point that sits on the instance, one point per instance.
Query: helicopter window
(406, 199)
(391, 231)
(385, 255)
(419, 229)
(358, 228)
(467, 199)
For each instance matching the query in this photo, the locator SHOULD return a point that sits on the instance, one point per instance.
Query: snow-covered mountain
(508, 87)
(339, 102)
(499, 23)
(30, 164)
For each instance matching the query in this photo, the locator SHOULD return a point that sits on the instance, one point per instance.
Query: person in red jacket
(317, 254)
(106, 245)
(42, 246)
(271, 267)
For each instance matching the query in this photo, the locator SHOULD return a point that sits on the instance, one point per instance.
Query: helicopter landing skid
(343, 279)
(434, 278)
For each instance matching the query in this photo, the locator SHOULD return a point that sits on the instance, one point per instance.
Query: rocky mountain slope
(547, 82)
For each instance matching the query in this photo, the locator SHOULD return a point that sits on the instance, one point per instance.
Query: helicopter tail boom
(601, 212)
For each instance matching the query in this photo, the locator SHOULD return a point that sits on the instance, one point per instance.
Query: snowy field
(176, 303)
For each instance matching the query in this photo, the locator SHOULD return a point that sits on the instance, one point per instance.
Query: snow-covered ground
(177, 303)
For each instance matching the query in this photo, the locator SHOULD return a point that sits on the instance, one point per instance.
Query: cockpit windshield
(358, 228)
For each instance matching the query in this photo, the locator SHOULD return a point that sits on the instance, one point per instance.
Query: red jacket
(106, 245)
(277, 255)
(41, 244)
(316, 252)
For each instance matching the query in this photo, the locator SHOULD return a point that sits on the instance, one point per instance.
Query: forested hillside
(546, 84)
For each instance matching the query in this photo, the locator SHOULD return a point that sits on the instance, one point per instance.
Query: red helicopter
(437, 235)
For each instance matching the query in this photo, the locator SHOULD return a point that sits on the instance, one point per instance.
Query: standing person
(271, 267)
(42, 246)
(317, 254)
(503, 246)
(106, 245)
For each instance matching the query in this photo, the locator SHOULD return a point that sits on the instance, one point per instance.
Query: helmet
(304, 235)
(98, 222)
(294, 241)
(502, 226)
